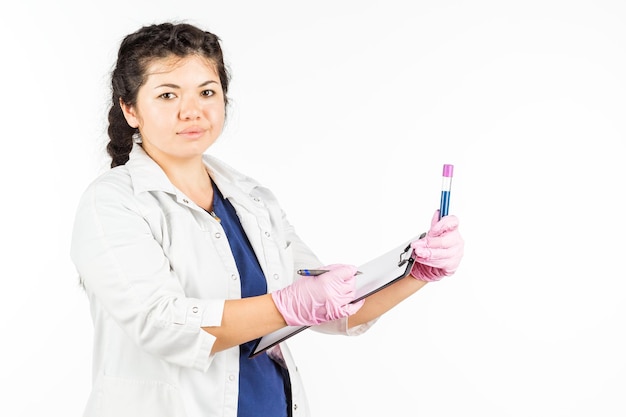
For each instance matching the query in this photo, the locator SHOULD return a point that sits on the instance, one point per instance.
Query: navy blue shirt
(262, 382)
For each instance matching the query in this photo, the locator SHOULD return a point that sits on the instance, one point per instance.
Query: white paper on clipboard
(375, 275)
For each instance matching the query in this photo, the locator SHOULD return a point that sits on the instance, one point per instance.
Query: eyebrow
(204, 84)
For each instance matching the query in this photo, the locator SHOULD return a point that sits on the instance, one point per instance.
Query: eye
(167, 96)
(208, 93)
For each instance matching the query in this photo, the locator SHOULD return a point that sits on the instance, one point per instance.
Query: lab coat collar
(147, 175)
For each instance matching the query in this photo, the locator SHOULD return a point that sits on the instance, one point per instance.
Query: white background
(348, 110)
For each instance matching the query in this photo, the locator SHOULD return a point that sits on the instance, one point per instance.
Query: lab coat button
(231, 378)
(195, 310)
(295, 407)
(276, 276)
(234, 277)
(185, 201)
(267, 234)
(218, 235)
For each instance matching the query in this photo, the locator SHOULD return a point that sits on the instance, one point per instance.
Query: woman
(187, 262)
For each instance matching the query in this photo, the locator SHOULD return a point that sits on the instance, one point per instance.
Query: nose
(189, 108)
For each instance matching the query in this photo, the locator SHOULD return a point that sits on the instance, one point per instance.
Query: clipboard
(375, 275)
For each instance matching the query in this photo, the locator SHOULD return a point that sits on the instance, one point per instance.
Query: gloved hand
(314, 300)
(439, 253)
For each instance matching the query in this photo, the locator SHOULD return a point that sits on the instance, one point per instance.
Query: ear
(129, 114)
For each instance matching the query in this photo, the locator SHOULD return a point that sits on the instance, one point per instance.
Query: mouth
(191, 132)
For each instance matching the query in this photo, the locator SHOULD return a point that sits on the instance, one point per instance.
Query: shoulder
(118, 177)
(115, 184)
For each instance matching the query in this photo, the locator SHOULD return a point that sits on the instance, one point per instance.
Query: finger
(445, 241)
(439, 248)
(348, 273)
(331, 267)
(342, 273)
(420, 248)
(337, 267)
(446, 224)
(434, 219)
(438, 256)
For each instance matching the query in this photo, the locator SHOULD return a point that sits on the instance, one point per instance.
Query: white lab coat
(156, 267)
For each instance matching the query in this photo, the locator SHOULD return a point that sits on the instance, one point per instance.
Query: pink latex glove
(439, 253)
(314, 300)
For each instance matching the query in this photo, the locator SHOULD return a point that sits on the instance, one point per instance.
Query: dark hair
(135, 54)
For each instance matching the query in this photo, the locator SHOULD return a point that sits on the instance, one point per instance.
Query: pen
(315, 272)
(446, 184)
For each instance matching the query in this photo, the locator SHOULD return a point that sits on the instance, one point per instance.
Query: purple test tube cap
(447, 170)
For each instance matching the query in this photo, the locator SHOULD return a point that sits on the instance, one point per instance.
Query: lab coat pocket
(125, 397)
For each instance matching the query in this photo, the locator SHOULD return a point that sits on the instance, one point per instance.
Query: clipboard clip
(405, 256)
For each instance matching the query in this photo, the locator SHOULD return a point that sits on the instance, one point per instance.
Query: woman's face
(180, 109)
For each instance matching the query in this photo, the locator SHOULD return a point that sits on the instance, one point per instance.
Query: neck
(191, 177)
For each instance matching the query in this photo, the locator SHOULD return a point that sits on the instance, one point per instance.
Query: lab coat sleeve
(122, 265)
